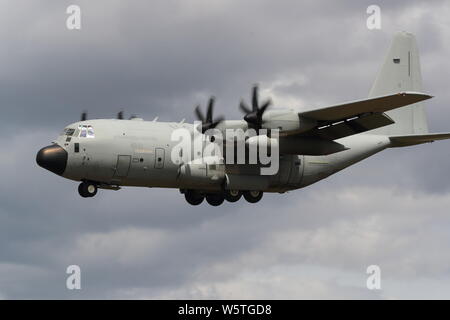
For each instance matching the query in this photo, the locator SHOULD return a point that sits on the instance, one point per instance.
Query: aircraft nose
(52, 158)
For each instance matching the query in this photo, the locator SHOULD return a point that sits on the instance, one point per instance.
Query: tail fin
(401, 72)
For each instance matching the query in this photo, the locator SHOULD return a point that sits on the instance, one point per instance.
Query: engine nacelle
(287, 120)
(262, 141)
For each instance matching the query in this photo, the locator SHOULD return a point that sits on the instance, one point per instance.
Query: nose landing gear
(87, 189)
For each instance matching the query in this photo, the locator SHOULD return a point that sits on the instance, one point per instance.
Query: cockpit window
(90, 131)
(83, 132)
(86, 131)
(68, 132)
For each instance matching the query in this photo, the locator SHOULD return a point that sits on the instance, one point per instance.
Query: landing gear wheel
(193, 197)
(215, 199)
(81, 191)
(87, 189)
(253, 196)
(233, 195)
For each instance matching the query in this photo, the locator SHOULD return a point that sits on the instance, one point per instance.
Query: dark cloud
(164, 57)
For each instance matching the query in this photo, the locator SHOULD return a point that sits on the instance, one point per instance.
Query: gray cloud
(162, 58)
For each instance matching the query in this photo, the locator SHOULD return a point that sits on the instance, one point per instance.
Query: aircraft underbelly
(359, 147)
(288, 177)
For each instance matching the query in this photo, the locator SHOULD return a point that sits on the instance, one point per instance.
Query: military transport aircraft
(312, 145)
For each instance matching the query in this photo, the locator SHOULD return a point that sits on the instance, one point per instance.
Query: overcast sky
(161, 58)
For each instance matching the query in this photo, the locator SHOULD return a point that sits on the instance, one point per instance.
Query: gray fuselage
(137, 153)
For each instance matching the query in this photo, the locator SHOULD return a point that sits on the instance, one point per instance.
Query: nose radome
(52, 158)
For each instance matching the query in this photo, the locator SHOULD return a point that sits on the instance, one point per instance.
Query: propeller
(120, 115)
(208, 122)
(254, 115)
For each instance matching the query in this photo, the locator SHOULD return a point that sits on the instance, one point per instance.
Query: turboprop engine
(287, 120)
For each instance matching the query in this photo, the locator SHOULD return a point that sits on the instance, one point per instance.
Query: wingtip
(427, 96)
(421, 94)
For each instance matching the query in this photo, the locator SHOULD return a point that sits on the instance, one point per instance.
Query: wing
(350, 127)
(352, 109)
(354, 117)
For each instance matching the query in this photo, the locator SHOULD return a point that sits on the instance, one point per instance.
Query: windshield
(68, 132)
(86, 131)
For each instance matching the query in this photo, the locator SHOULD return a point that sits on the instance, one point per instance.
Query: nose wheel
(87, 189)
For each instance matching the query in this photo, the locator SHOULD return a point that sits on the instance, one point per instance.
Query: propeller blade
(120, 115)
(254, 116)
(199, 114)
(217, 122)
(84, 116)
(208, 122)
(265, 106)
(244, 108)
(210, 109)
(255, 98)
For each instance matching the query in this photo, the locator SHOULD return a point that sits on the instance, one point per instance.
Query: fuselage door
(159, 158)
(123, 166)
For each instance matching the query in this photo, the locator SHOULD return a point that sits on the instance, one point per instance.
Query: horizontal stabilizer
(355, 108)
(413, 139)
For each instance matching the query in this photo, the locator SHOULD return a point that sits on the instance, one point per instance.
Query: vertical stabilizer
(401, 72)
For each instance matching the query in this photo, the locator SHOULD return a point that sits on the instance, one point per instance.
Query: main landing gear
(253, 196)
(87, 189)
(195, 197)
